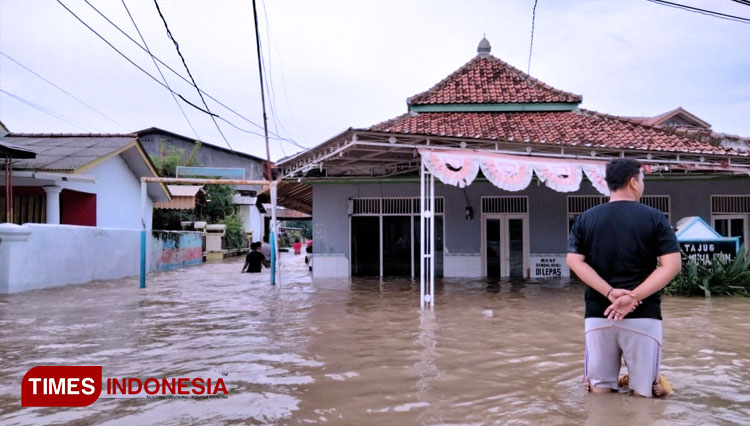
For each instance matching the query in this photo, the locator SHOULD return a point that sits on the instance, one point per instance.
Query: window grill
(366, 206)
(505, 204)
(578, 204)
(659, 202)
(392, 206)
(727, 204)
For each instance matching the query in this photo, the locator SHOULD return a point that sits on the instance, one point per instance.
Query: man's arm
(669, 266)
(245, 265)
(587, 274)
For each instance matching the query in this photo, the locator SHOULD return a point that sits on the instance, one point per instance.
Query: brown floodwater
(360, 351)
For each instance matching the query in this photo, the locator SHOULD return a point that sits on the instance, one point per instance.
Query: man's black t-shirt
(621, 241)
(254, 261)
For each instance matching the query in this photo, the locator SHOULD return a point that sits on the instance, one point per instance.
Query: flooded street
(360, 352)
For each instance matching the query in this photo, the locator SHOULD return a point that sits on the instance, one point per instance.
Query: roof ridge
(444, 81)
(393, 120)
(514, 73)
(696, 134)
(533, 79)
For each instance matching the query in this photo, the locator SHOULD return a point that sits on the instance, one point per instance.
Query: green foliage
(166, 166)
(170, 157)
(721, 278)
(221, 204)
(306, 226)
(234, 234)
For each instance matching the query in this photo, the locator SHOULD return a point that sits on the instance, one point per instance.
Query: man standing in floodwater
(613, 248)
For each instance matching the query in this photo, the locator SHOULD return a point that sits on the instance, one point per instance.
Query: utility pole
(271, 181)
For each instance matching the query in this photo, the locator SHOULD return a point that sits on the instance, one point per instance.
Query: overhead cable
(173, 71)
(703, 11)
(63, 90)
(179, 105)
(177, 47)
(531, 45)
(47, 111)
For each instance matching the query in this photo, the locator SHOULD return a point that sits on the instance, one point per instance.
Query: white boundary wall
(35, 256)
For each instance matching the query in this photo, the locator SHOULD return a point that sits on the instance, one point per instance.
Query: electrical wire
(703, 11)
(174, 72)
(179, 105)
(272, 91)
(531, 45)
(62, 90)
(177, 47)
(268, 84)
(47, 111)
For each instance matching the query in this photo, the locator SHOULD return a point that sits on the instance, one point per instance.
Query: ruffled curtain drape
(511, 172)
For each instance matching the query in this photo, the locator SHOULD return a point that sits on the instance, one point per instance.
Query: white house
(81, 179)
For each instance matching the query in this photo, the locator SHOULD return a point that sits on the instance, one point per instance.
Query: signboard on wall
(703, 252)
(548, 266)
(700, 242)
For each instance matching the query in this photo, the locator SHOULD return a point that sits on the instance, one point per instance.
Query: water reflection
(361, 351)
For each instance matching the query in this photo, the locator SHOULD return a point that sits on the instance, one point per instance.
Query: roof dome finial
(484, 47)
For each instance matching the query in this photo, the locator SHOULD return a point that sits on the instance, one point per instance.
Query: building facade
(514, 161)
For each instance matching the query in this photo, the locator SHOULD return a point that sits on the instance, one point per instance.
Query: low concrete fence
(175, 249)
(35, 256)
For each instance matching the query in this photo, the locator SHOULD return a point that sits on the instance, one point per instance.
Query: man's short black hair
(620, 171)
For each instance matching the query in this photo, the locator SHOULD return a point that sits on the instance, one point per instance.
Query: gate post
(427, 238)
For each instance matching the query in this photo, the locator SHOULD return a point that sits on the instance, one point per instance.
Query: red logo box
(61, 386)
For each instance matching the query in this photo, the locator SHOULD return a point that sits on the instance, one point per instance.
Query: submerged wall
(547, 217)
(175, 249)
(35, 256)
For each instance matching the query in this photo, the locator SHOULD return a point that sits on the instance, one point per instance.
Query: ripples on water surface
(360, 352)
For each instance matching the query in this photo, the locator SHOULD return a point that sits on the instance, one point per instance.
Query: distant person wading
(255, 259)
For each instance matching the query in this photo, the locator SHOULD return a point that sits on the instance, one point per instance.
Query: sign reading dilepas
(548, 266)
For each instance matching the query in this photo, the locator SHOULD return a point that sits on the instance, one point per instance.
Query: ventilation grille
(366, 206)
(505, 205)
(580, 203)
(730, 204)
(392, 206)
(659, 202)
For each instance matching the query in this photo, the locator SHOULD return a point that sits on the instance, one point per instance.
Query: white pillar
(13, 253)
(53, 204)
(256, 223)
(427, 238)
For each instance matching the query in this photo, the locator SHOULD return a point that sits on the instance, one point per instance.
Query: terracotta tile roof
(579, 128)
(486, 79)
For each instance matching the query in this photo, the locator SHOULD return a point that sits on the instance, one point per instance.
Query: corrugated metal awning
(183, 197)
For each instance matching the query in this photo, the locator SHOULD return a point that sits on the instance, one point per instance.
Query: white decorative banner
(452, 168)
(595, 173)
(512, 172)
(562, 177)
(506, 174)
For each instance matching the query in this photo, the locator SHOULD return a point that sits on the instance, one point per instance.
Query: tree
(170, 157)
(166, 163)
(221, 204)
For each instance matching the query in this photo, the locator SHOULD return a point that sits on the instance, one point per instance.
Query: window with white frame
(385, 235)
(730, 215)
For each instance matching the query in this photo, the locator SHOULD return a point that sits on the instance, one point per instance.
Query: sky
(334, 64)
